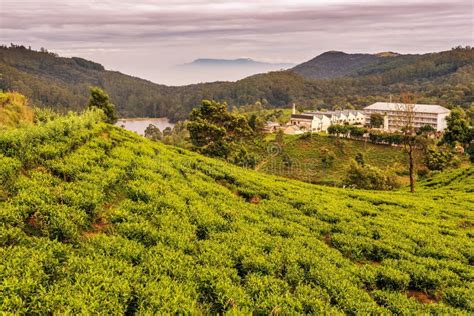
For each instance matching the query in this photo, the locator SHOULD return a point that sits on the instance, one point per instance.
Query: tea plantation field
(306, 158)
(97, 220)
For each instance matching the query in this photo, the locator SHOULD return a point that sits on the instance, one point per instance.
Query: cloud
(275, 30)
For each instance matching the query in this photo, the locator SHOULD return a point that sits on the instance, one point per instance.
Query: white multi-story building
(397, 116)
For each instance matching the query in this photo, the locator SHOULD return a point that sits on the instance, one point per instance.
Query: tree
(214, 131)
(438, 158)
(100, 99)
(327, 158)
(458, 129)
(406, 122)
(359, 158)
(356, 131)
(425, 130)
(152, 132)
(338, 130)
(369, 177)
(376, 120)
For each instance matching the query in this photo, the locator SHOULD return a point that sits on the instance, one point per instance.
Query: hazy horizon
(148, 39)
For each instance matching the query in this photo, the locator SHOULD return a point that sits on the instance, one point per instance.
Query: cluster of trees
(460, 131)
(216, 132)
(347, 130)
(363, 176)
(63, 83)
(178, 135)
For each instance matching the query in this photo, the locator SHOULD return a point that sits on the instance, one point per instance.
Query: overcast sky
(144, 37)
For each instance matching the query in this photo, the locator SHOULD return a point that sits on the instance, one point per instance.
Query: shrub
(327, 158)
(438, 158)
(391, 279)
(369, 177)
(460, 297)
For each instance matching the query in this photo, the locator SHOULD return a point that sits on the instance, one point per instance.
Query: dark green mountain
(336, 64)
(63, 83)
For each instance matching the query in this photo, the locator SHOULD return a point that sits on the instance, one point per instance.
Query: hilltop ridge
(63, 83)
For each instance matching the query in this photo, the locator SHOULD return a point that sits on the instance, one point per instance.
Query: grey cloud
(179, 31)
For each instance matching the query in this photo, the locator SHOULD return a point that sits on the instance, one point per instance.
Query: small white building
(395, 115)
(310, 122)
(320, 121)
(271, 127)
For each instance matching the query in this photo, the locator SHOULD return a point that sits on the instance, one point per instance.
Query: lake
(138, 125)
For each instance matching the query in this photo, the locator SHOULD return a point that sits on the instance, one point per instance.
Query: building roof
(292, 129)
(424, 108)
(334, 113)
(302, 116)
(270, 123)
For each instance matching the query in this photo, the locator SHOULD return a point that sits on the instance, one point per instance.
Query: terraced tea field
(95, 219)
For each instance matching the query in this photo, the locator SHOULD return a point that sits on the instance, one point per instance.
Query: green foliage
(376, 120)
(213, 130)
(327, 158)
(359, 158)
(152, 132)
(306, 156)
(369, 177)
(100, 100)
(98, 220)
(438, 158)
(461, 297)
(470, 151)
(426, 130)
(346, 130)
(336, 129)
(392, 279)
(458, 129)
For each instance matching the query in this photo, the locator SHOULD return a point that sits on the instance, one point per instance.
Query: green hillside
(444, 78)
(302, 158)
(335, 64)
(458, 180)
(95, 219)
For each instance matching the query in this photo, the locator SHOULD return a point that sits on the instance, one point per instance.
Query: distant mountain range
(331, 79)
(208, 69)
(209, 62)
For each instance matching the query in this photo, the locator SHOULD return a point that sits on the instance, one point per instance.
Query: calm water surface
(139, 125)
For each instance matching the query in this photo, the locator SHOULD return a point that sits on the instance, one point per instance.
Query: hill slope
(306, 156)
(95, 219)
(335, 64)
(445, 78)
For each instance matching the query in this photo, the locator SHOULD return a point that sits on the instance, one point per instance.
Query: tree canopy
(213, 130)
(100, 99)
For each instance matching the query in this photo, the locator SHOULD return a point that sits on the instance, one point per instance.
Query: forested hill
(445, 78)
(98, 220)
(335, 64)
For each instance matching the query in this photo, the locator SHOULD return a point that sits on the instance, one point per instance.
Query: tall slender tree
(405, 120)
(100, 99)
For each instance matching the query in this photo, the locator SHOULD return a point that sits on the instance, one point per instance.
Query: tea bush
(97, 220)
